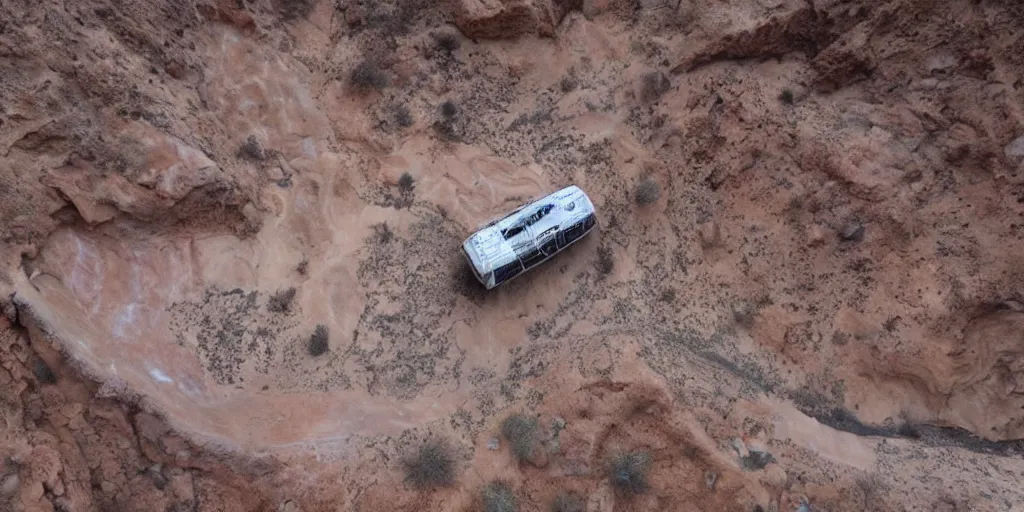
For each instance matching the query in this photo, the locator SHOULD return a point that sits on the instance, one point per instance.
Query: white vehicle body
(529, 236)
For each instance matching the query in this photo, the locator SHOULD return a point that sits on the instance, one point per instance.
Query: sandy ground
(821, 310)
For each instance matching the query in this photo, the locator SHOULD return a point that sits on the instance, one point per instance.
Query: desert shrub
(647, 192)
(447, 42)
(382, 233)
(497, 496)
(628, 472)
(566, 502)
(432, 466)
(654, 85)
(251, 149)
(318, 341)
(293, 9)
(786, 96)
(402, 116)
(605, 262)
(303, 267)
(568, 84)
(43, 372)
(368, 75)
(449, 109)
(281, 301)
(521, 431)
(405, 182)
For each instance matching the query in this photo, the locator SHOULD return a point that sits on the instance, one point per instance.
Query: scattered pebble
(493, 444)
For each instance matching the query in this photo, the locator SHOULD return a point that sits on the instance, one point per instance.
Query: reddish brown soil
(821, 310)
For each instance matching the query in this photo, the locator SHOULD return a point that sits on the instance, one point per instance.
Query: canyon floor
(232, 281)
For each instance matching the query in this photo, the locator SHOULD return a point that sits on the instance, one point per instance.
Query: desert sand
(818, 308)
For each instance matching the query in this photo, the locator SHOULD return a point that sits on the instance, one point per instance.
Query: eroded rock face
(840, 192)
(510, 19)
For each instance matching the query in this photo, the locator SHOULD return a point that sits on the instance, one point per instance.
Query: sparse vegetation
(628, 472)
(303, 267)
(251, 149)
(405, 183)
(43, 372)
(568, 84)
(521, 432)
(318, 341)
(382, 232)
(654, 85)
(402, 116)
(449, 109)
(497, 496)
(281, 301)
(447, 42)
(605, 262)
(294, 9)
(786, 96)
(566, 502)
(368, 75)
(647, 192)
(432, 466)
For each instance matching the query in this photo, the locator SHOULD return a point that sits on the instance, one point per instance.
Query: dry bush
(251, 149)
(318, 341)
(294, 9)
(432, 466)
(368, 75)
(281, 301)
(628, 472)
(647, 192)
(43, 372)
(566, 502)
(449, 109)
(522, 432)
(786, 96)
(403, 117)
(405, 183)
(447, 42)
(654, 85)
(497, 496)
(382, 233)
(605, 261)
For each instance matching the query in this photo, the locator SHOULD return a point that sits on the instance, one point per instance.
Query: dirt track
(831, 272)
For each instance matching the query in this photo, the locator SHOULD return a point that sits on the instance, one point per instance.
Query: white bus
(529, 236)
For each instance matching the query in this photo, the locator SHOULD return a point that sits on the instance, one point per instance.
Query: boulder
(510, 19)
